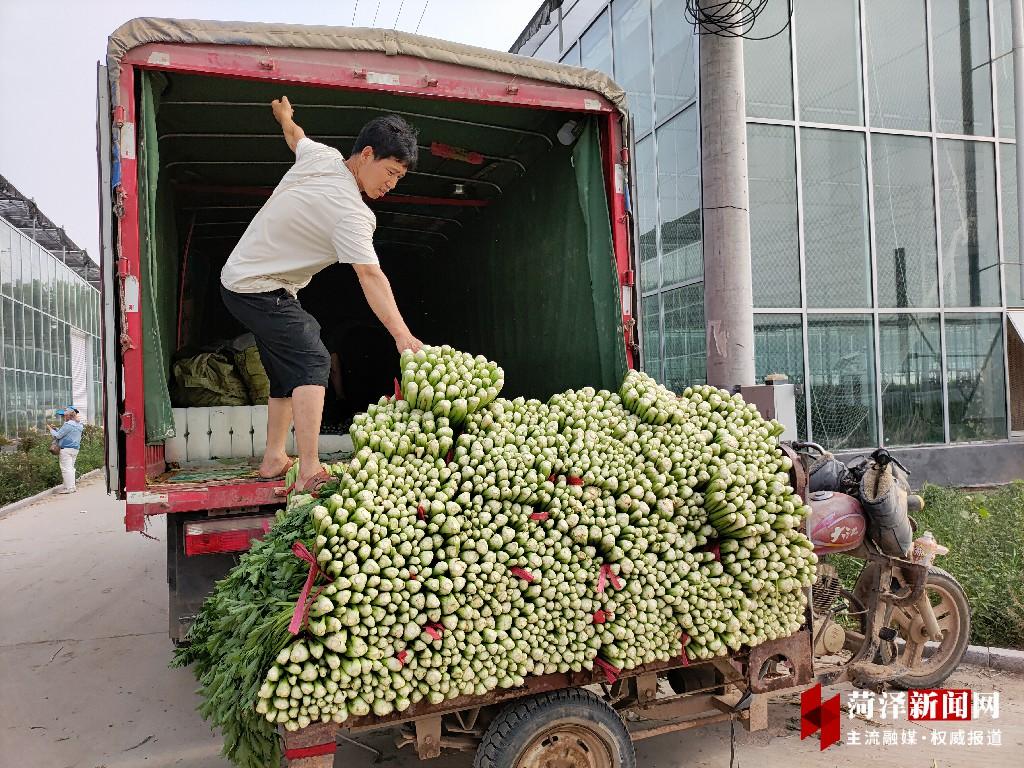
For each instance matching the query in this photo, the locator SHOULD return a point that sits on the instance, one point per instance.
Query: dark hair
(389, 136)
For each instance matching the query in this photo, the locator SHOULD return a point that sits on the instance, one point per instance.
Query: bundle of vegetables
(396, 428)
(238, 632)
(597, 529)
(448, 382)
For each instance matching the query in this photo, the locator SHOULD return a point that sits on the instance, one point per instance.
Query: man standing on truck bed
(315, 217)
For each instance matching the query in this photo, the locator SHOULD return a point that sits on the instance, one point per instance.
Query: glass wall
(675, 63)
(685, 354)
(828, 61)
(774, 237)
(779, 345)
(883, 205)
(967, 196)
(963, 74)
(896, 45)
(835, 219)
(631, 32)
(880, 155)
(679, 199)
(904, 198)
(975, 376)
(41, 300)
(911, 374)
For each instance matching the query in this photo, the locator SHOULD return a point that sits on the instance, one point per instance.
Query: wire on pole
(731, 18)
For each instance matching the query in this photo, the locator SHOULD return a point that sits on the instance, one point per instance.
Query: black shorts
(287, 337)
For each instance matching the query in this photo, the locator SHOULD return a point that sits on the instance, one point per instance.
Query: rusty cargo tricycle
(905, 623)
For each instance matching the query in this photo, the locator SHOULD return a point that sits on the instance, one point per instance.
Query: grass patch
(31, 468)
(984, 531)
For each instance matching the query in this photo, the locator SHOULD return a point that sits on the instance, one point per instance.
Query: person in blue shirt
(69, 440)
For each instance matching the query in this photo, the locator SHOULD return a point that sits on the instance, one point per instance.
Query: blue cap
(67, 408)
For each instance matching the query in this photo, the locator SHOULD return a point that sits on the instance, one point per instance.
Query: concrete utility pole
(728, 285)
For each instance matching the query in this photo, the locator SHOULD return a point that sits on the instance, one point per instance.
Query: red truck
(512, 238)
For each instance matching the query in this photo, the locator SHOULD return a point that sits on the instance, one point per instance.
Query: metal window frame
(798, 147)
(937, 195)
(1000, 238)
(872, 252)
(636, 202)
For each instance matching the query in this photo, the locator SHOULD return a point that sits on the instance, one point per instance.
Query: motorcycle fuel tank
(836, 522)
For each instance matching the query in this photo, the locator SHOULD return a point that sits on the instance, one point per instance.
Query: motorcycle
(905, 622)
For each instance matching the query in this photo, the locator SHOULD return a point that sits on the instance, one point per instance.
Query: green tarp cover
(159, 252)
(532, 283)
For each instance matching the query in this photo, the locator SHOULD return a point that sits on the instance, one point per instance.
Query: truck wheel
(571, 728)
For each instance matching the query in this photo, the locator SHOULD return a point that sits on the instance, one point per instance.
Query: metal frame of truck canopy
(363, 63)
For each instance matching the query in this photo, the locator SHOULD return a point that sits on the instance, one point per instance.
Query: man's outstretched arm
(377, 290)
(283, 113)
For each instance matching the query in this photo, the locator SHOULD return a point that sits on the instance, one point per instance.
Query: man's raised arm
(283, 113)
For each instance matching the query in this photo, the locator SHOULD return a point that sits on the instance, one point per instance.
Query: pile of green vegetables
(598, 529)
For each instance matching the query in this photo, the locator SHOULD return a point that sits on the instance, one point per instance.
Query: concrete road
(84, 679)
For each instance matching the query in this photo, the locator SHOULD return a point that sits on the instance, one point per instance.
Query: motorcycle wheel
(953, 613)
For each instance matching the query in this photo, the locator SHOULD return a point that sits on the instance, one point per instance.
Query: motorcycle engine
(826, 589)
(829, 636)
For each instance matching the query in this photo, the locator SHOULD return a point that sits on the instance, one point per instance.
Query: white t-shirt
(314, 218)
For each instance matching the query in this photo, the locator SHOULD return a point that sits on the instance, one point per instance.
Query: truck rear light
(207, 537)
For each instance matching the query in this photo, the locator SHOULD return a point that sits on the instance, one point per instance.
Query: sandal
(279, 475)
(312, 486)
(315, 483)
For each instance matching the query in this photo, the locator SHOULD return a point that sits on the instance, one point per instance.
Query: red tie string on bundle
(715, 549)
(540, 516)
(611, 672)
(600, 617)
(398, 390)
(521, 573)
(685, 638)
(402, 656)
(573, 480)
(450, 456)
(434, 629)
(301, 613)
(327, 748)
(605, 576)
(421, 513)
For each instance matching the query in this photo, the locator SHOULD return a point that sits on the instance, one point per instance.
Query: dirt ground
(84, 680)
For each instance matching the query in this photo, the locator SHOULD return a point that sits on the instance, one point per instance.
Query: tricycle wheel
(571, 728)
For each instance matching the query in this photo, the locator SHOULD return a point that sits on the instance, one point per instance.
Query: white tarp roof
(391, 42)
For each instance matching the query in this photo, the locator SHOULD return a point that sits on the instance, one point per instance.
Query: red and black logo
(815, 716)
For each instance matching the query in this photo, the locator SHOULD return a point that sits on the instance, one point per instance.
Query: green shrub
(32, 468)
(985, 535)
